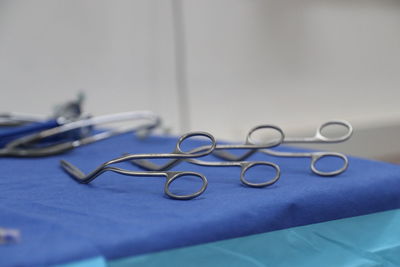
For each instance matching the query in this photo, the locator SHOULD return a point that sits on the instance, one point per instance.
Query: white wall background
(295, 63)
(119, 52)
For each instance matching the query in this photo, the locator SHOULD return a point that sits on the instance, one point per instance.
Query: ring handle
(248, 165)
(201, 150)
(274, 143)
(320, 136)
(173, 176)
(318, 156)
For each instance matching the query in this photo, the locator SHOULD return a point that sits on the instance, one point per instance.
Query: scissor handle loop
(248, 165)
(320, 136)
(275, 142)
(173, 176)
(318, 156)
(206, 149)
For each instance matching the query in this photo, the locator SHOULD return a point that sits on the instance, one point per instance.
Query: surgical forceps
(244, 165)
(318, 138)
(29, 124)
(170, 176)
(27, 146)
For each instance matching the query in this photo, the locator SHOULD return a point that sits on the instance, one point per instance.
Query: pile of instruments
(68, 128)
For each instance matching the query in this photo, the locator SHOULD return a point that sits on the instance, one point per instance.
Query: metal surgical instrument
(13, 133)
(244, 165)
(28, 146)
(20, 125)
(16, 119)
(318, 138)
(9, 235)
(249, 144)
(63, 113)
(170, 176)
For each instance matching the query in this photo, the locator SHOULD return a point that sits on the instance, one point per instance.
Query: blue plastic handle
(13, 133)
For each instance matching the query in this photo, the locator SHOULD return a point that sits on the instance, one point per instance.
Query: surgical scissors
(318, 138)
(170, 176)
(27, 146)
(249, 144)
(244, 165)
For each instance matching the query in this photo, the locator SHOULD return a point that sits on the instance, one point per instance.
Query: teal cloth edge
(368, 240)
(91, 262)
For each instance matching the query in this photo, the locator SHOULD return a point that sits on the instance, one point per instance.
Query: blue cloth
(119, 216)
